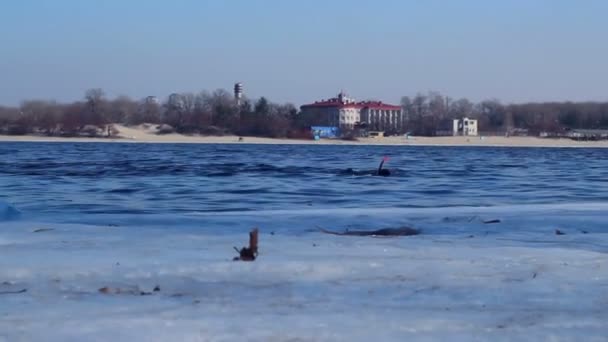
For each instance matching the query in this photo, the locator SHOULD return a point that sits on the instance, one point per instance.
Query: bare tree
(224, 110)
(96, 107)
(72, 119)
(121, 109)
(148, 111)
(218, 113)
(8, 115)
(43, 116)
(461, 108)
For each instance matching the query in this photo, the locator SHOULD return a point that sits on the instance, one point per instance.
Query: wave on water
(514, 209)
(8, 212)
(543, 218)
(75, 182)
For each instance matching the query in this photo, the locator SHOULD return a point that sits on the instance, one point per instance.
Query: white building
(345, 112)
(465, 126)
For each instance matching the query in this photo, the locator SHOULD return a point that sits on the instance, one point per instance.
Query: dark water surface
(78, 181)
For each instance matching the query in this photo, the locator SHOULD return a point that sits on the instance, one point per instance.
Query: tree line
(204, 113)
(431, 113)
(217, 113)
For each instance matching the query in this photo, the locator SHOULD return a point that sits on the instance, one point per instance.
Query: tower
(238, 93)
(151, 100)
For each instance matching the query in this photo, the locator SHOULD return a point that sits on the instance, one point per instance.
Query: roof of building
(343, 102)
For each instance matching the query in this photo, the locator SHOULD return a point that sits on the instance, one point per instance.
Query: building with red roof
(346, 113)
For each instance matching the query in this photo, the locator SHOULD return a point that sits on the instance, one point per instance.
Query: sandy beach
(146, 134)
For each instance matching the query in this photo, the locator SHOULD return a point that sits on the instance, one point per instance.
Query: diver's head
(384, 172)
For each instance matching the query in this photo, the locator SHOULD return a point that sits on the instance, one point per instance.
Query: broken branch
(402, 231)
(251, 252)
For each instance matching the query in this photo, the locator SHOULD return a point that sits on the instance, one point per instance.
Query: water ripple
(86, 179)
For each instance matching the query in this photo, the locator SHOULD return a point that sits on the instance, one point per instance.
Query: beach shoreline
(142, 135)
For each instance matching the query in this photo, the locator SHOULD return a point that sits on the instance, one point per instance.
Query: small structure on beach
(588, 134)
(464, 127)
(329, 132)
(376, 134)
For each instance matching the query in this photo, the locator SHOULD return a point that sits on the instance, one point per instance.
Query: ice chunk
(8, 212)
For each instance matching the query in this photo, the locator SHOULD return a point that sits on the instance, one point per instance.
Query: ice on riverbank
(462, 281)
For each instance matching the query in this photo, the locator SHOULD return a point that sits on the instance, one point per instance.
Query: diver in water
(382, 172)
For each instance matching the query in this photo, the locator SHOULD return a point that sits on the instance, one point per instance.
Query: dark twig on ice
(402, 231)
(13, 292)
(40, 230)
(129, 290)
(491, 221)
(559, 232)
(251, 252)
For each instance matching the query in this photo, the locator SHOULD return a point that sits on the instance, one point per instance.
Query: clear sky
(303, 50)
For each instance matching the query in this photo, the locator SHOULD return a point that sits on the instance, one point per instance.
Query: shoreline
(390, 141)
(387, 141)
(144, 134)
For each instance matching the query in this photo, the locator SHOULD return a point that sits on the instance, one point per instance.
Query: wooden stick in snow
(251, 252)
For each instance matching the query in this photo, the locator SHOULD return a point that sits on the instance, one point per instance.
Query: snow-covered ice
(459, 280)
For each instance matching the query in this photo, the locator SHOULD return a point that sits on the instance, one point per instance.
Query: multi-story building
(465, 126)
(346, 113)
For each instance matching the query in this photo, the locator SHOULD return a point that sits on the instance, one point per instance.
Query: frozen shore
(460, 280)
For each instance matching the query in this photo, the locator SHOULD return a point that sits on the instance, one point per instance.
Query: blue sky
(300, 51)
